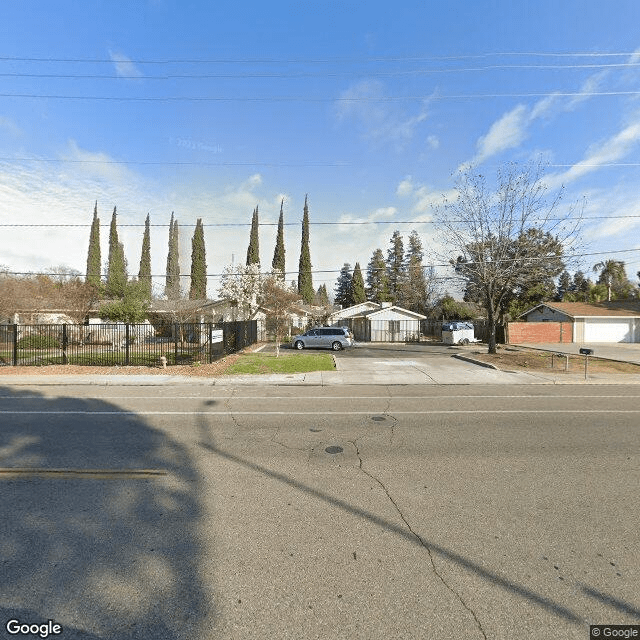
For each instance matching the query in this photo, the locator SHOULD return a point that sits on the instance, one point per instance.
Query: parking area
(391, 350)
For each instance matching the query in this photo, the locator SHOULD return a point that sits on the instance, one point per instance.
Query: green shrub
(38, 342)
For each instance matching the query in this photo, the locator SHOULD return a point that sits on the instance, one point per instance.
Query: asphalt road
(310, 512)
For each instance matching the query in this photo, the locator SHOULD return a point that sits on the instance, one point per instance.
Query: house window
(394, 326)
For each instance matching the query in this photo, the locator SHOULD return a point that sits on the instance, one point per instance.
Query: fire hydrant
(163, 361)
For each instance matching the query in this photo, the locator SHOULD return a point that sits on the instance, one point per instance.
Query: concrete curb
(480, 363)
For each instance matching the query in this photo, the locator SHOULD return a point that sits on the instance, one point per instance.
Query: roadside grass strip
(261, 363)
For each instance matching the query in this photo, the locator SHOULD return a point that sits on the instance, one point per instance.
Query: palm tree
(611, 271)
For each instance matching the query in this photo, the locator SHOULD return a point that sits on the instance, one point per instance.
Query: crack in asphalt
(420, 540)
(227, 404)
(394, 421)
(282, 444)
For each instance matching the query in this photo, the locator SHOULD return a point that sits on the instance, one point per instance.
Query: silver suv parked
(335, 338)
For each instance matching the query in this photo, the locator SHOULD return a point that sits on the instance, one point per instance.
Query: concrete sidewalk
(348, 372)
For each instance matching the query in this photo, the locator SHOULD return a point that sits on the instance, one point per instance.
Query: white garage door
(608, 330)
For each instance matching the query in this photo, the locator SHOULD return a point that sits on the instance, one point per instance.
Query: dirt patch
(214, 369)
(509, 359)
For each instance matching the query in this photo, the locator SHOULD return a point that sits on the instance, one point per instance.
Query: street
(368, 512)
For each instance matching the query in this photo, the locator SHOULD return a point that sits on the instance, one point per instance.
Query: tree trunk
(491, 319)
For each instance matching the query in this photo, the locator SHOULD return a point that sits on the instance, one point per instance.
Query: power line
(478, 56)
(309, 163)
(77, 274)
(307, 74)
(363, 99)
(291, 224)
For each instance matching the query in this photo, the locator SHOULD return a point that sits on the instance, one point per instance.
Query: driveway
(397, 363)
(622, 351)
(390, 350)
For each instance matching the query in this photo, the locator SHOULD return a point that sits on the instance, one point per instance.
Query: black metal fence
(123, 344)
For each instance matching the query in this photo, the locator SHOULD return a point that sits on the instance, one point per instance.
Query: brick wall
(519, 332)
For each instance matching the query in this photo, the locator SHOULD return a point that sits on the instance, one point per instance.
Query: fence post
(64, 344)
(210, 342)
(15, 344)
(175, 343)
(126, 344)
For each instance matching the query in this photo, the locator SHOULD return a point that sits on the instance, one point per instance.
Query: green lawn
(289, 363)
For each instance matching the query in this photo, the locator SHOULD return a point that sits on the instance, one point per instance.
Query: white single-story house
(373, 322)
(617, 321)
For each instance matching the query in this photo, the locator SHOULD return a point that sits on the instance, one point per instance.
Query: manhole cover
(334, 449)
(378, 418)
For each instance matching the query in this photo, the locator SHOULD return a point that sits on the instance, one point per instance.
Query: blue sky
(209, 109)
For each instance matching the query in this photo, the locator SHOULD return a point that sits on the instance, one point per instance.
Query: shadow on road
(491, 577)
(110, 557)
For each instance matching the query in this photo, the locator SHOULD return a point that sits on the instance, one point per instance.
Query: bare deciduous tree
(278, 300)
(490, 232)
(62, 290)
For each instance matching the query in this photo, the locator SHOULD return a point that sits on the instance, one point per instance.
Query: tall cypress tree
(305, 284)
(253, 252)
(117, 266)
(357, 285)
(144, 274)
(198, 290)
(93, 255)
(172, 286)
(278, 262)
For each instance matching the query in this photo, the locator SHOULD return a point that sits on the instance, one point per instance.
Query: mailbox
(586, 352)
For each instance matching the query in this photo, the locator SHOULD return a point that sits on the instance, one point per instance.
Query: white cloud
(506, 133)
(433, 142)
(379, 121)
(611, 150)
(10, 127)
(253, 181)
(97, 165)
(512, 128)
(405, 188)
(424, 198)
(124, 66)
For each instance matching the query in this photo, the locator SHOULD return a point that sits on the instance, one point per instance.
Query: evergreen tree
(377, 280)
(117, 266)
(322, 296)
(278, 262)
(198, 290)
(144, 274)
(253, 252)
(414, 291)
(172, 287)
(93, 255)
(357, 285)
(396, 267)
(305, 284)
(344, 290)
(564, 285)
